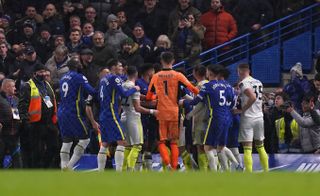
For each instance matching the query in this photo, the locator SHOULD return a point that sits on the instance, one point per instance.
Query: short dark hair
(284, 95)
(200, 70)
(216, 69)
(317, 77)
(244, 66)
(131, 70)
(74, 64)
(167, 57)
(225, 73)
(76, 30)
(145, 67)
(112, 62)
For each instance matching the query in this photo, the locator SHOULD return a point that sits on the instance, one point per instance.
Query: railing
(274, 48)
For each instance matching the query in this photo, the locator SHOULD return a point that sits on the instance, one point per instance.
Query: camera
(286, 105)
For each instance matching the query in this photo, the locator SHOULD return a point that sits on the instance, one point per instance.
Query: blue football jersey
(217, 97)
(143, 86)
(73, 87)
(111, 90)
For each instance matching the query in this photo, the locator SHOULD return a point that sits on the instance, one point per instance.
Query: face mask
(40, 77)
(270, 102)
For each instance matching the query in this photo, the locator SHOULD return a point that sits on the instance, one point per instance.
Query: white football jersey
(127, 103)
(255, 110)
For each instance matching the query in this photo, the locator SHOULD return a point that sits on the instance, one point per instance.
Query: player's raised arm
(198, 98)
(123, 92)
(187, 83)
(151, 89)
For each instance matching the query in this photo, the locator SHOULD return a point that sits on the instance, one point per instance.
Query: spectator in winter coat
(9, 121)
(153, 18)
(130, 53)
(57, 65)
(102, 53)
(87, 33)
(309, 130)
(298, 86)
(52, 19)
(45, 45)
(145, 44)
(220, 26)
(182, 10)
(163, 44)
(186, 42)
(75, 44)
(123, 23)
(114, 36)
(251, 15)
(91, 17)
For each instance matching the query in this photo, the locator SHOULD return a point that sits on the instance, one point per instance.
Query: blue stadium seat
(265, 65)
(233, 78)
(297, 49)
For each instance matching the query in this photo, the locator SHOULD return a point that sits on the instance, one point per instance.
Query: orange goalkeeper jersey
(165, 84)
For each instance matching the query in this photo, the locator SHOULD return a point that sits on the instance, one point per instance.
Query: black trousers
(39, 145)
(10, 145)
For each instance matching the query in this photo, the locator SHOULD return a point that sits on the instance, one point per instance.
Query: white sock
(212, 159)
(102, 158)
(78, 152)
(230, 156)
(148, 160)
(118, 157)
(236, 154)
(65, 154)
(223, 160)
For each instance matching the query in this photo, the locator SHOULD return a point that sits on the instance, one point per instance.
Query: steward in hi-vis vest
(37, 109)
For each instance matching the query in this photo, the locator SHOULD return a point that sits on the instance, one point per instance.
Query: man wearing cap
(89, 69)
(27, 35)
(114, 36)
(27, 66)
(297, 87)
(37, 110)
(45, 44)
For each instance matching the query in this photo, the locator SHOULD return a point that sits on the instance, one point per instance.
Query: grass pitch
(56, 183)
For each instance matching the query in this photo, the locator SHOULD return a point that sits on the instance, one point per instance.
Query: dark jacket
(296, 89)
(133, 58)
(10, 125)
(145, 45)
(56, 25)
(101, 55)
(186, 43)
(250, 12)
(155, 23)
(24, 102)
(6, 63)
(177, 14)
(91, 71)
(45, 48)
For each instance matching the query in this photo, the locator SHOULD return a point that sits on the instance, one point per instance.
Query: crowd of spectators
(49, 33)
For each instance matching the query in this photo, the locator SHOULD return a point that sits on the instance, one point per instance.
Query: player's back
(217, 97)
(127, 103)
(167, 83)
(255, 110)
(71, 92)
(107, 95)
